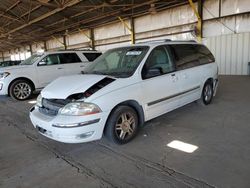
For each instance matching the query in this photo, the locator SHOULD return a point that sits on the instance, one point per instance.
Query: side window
(52, 59)
(185, 55)
(205, 56)
(91, 56)
(158, 63)
(66, 58)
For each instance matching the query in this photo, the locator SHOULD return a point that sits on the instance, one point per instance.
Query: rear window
(92, 56)
(190, 55)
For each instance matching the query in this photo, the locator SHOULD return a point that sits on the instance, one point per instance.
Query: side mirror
(42, 62)
(152, 72)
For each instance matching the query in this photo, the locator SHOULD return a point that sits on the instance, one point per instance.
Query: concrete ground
(221, 132)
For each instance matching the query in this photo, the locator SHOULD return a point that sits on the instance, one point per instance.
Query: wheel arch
(21, 78)
(133, 104)
(211, 80)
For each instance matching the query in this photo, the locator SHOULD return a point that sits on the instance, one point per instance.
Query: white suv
(124, 88)
(40, 69)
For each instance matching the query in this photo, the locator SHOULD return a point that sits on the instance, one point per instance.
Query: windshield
(32, 59)
(119, 62)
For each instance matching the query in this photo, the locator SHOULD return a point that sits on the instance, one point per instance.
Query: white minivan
(40, 69)
(123, 88)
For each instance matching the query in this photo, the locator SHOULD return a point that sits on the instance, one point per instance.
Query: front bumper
(3, 88)
(86, 129)
(215, 86)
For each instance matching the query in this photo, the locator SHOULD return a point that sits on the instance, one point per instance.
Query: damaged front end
(51, 107)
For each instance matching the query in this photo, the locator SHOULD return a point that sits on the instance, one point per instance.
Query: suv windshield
(119, 62)
(32, 59)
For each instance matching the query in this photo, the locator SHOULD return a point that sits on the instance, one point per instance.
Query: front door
(160, 85)
(48, 69)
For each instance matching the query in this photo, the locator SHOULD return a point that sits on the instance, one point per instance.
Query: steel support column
(92, 39)
(3, 56)
(219, 8)
(62, 43)
(198, 14)
(31, 51)
(45, 46)
(19, 53)
(65, 42)
(130, 28)
(133, 31)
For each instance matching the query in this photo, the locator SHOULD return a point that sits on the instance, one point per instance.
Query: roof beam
(12, 6)
(27, 13)
(43, 3)
(4, 12)
(76, 24)
(74, 21)
(69, 4)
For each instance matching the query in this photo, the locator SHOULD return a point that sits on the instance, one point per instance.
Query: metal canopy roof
(23, 22)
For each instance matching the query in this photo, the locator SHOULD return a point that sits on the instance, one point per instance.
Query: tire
(207, 93)
(122, 125)
(21, 90)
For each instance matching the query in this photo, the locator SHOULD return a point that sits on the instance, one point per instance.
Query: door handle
(174, 77)
(59, 68)
(82, 66)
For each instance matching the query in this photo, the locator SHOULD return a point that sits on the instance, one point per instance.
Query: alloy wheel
(208, 92)
(125, 126)
(22, 90)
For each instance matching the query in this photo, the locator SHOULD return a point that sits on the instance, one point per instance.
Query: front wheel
(207, 93)
(122, 125)
(21, 90)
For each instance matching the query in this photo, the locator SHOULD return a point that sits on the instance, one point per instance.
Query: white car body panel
(43, 75)
(19, 71)
(62, 87)
(155, 96)
(48, 73)
(69, 135)
(158, 88)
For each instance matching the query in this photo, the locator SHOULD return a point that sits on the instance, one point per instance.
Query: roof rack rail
(84, 49)
(153, 41)
(184, 40)
(165, 40)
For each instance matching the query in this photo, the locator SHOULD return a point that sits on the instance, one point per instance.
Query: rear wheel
(122, 125)
(207, 93)
(21, 90)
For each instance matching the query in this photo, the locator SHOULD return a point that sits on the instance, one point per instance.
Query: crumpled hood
(14, 68)
(65, 86)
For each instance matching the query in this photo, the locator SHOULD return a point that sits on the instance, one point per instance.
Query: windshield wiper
(95, 72)
(120, 74)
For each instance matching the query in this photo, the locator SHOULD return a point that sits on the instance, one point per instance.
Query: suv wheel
(21, 90)
(122, 125)
(207, 93)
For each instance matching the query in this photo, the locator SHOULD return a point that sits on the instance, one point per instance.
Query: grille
(51, 107)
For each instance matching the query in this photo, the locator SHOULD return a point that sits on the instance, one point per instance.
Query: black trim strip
(172, 96)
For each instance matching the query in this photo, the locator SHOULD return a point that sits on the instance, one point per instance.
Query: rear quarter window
(91, 56)
(190, 55)
(185, 56)
(204, 55)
